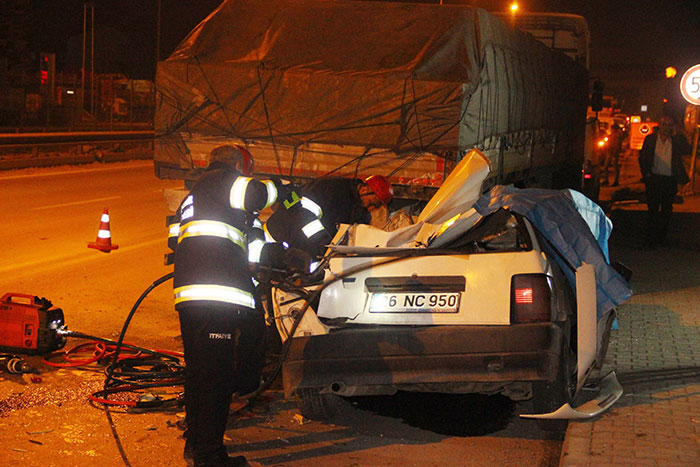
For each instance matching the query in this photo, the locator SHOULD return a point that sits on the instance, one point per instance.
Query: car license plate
(415, 302)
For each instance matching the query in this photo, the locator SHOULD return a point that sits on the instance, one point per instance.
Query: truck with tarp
(489, 289)
(315, 88)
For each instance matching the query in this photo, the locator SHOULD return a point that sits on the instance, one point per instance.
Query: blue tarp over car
(556, 215)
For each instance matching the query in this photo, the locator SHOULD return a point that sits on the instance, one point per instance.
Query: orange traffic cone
(104, 237)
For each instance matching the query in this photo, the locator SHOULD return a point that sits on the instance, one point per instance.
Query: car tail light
(531, 298)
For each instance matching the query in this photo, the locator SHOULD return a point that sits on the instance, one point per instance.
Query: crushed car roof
(569, 237)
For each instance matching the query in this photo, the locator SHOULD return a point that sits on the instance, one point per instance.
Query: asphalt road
(49, 215)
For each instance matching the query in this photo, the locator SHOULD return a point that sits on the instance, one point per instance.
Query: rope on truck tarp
(267, 117)
(415, 111)
(217, 101)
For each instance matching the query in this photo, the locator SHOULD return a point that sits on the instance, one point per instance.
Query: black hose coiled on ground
(165, 369)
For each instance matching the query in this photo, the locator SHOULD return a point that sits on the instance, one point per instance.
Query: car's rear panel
(457, 358)
(430, 290)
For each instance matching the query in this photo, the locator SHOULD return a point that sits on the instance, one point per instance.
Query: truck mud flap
(610, 391)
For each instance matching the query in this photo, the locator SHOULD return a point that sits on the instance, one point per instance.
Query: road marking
(78, 171)
(75, 203)
(43, 265)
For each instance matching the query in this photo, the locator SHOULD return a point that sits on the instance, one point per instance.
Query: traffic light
(597, 96)
(47, 68)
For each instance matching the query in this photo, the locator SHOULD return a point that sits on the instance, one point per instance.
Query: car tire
(548, 396)
(318, 406)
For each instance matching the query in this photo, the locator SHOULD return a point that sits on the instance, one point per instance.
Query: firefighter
(214, 294)
(309, 220)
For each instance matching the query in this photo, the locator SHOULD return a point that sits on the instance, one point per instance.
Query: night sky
(642, 36)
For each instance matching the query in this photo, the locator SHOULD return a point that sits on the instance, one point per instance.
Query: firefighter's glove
(297, 261)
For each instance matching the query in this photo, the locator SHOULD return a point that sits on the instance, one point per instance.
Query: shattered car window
(500, 231)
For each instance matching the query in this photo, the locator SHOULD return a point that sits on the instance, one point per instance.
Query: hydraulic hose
(120, 342)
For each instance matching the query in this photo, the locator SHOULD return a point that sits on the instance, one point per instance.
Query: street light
(513, 9)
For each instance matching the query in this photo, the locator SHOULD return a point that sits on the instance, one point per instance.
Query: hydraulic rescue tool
(29, 324)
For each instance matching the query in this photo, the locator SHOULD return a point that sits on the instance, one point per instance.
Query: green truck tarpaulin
(402, 77)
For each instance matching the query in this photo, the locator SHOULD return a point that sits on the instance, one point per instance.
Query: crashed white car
(457, 302)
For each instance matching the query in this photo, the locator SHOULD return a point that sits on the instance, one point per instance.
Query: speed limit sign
(690, 85)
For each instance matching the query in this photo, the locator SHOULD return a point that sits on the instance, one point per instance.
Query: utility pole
(82, 69)
(158, 34)
(92, 59)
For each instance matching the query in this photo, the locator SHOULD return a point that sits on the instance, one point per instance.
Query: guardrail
(72, 137)
(40, 149)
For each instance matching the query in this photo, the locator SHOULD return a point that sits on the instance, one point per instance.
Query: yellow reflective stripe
(212, 229)
(312, 228)
(174, 230)
(268, 236)
(255, 250)
(312, 206)
(294, 200)
(271, 192)
(213, 292)
(237, 195)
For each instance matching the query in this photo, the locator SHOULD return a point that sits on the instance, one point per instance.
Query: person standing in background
(661, 163)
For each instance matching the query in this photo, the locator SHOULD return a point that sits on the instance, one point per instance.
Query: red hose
(101, 351)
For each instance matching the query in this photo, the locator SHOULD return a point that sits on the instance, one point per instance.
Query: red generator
(29, 325)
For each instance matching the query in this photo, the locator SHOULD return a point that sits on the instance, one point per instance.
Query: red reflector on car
(523, 296)
(587, 176)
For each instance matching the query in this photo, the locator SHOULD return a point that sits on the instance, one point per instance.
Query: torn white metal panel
(587, 325)
(364, 239)
(457, 227)
(610, 391)
(286, 305)
(460, 190)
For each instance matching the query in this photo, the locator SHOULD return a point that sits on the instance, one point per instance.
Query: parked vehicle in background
(563, 32)
(623, 120)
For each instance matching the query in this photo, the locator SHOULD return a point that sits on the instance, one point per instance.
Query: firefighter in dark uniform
(215, 297)
(309, 220)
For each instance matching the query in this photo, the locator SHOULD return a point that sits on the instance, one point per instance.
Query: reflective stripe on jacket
(212, 225)
(213, 292)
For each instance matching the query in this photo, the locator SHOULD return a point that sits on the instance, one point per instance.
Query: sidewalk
(656, 350)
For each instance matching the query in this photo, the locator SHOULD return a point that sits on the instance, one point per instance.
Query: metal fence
(74, 102)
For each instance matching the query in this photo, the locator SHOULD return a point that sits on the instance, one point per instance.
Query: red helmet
(381, 187)
(236, 156)
(247, 162)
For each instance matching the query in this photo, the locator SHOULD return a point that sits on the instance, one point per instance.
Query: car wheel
(317, 406)
(548, 396)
